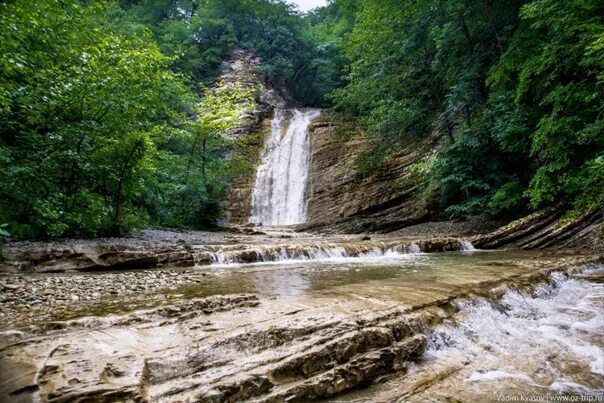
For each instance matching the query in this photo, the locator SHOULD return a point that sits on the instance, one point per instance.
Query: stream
(409, 326)
(275, 315)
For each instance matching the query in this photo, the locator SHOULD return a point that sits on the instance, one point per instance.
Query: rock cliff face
(253, 128)
(242, 70)
(341, 200)
(239, 201)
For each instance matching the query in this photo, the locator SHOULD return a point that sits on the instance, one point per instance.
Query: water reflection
(404, 278)
(280, 282)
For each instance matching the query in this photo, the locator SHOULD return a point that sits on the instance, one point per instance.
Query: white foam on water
(280, 190)
(531, 334)
(495, 375)
(564, 386)
(466, 245)
(321, 253)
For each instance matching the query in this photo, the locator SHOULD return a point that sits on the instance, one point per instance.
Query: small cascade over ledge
(368, 253)
(466, 246)
(280, 191)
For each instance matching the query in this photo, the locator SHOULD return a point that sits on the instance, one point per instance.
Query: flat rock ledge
(232, 348)
(125, 255)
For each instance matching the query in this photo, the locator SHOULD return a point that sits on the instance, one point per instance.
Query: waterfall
(466, 245)
(279, 194)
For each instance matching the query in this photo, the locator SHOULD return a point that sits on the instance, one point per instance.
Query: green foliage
(196, 165)
(370, 162)
(327, 27)
(420, 178)
(202, 34)
(3, 232)
(101, 129)
(587, 183)
(513, 92)
(95, 130)
(79, 105)
(508, 197)
(555, 71)
(4, 235)
(421, 171)
(99, 132)
(197, 38)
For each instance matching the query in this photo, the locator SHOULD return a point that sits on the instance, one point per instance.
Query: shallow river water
(546, 345)
(454, 326)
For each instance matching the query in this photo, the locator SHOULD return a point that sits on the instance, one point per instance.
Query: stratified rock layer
(253, 127)
(248, 347)
(131, 253)
(341, 200)
(548, 228)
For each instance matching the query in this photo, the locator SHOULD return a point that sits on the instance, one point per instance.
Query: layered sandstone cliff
(340, 199)
(343, 200)
(253, 128)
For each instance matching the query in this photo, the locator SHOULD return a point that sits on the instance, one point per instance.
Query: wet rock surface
(170, 249)
(548, 229)
(542, 345)
(273, 333)
(142, 249)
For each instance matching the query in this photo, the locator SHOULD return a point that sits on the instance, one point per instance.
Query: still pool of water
(404, 277)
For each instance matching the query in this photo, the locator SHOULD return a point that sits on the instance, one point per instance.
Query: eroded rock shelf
(257, 333)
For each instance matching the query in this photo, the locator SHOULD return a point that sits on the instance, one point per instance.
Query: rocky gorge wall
(342, 200)
(239, 201)
(253, 128)
(339, 198)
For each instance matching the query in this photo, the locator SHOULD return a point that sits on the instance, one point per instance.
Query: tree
(196, 164)
(81, 105)
(511, 92)
(554, 69)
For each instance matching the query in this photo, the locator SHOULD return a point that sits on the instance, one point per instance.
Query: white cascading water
(279, 194)
(347, 253)
(466, 246)
(529, 339)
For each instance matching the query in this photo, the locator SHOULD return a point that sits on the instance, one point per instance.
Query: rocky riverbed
(24, 298)
(171, 249)
(168, 249)
(283, 331)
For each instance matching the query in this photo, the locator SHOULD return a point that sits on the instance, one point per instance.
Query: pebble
(40, 296)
